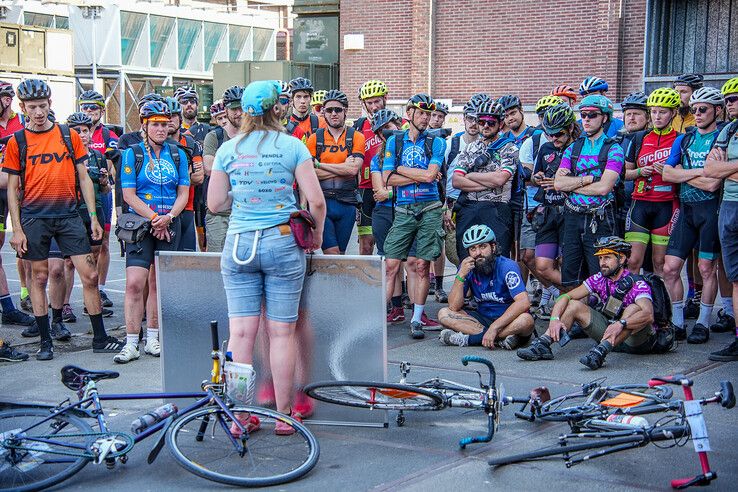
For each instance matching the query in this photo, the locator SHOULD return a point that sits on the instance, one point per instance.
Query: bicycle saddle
(75, 378)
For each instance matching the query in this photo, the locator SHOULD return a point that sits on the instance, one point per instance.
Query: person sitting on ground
(502, 318)
(622, 321)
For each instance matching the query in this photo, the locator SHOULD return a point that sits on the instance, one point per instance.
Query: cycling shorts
(651, 221)
(3, 209)
(364, 212)
(696, 227)
(69, 232)
(550, 236)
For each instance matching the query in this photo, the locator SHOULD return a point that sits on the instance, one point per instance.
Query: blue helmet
(597, 101)
(478, 234)
(591, 84)
(260, 96)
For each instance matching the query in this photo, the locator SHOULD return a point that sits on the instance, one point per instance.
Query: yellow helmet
(664, 97)
(730, 87)
(373, 88)
(548, 102)
(318, 98)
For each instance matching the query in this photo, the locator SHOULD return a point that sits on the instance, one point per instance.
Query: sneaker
(727, 354)
(109, 345)
(396, 315)
(105, 300)
(17, 317)
(451, 337)
(594, 358)
(441, 296)
(511, 342)
(700, 334)
(538, 350)
(106, 313)
(303, 407)
(59, 332)
(406, 304)
(26, 304)
(680, 332)
(691, 309)
(543, 312)
(152, 347)
(10, 354)
(429, 324)
(127, 354)
(265, 396)
(250, 422)
(31, 331)
(68, 315)
(724, 324)
(416, 330)
(46, 351)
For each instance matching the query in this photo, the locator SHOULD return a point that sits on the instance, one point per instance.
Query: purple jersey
(604, 286)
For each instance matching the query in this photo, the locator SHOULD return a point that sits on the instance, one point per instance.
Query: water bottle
(634, 420)
(145, 421)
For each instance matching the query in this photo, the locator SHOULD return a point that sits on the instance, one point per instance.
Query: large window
(237, 37)
(38, 20)
(261, 42)
(131, 27)
(188, 32)
(160, 29)
(214, 34)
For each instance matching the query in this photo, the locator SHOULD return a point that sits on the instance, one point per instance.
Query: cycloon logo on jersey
(162, 172)
(512, 280)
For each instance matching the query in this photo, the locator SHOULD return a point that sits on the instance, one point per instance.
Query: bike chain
(126, 437)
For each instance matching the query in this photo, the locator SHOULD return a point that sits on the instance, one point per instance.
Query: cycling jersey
(681, 123)
(547, 162)
(452, 192)
(655, 149)
(694, 158)
(482, 157)
(496, 292)
(306, 123)
(377, 168)
(198, 130)
(15, 123)
(604, 287)
(730, 190)
(371, 146)
(336, 152)
(97, 140)
(413, 155)
(588, 165)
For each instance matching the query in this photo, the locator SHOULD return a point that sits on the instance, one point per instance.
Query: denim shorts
(728, 228)
(276, 273)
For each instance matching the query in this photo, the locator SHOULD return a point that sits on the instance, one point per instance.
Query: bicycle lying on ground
(41, 445)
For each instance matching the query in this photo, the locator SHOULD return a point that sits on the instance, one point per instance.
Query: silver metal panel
(342, 333)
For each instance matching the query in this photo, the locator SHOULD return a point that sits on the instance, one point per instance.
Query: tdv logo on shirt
(337, 148)
(48, 158)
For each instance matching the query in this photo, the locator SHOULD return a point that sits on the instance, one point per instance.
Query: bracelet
(460, 279)
(154, 216)
(562, 296)
(555, 318)
(171, 215)
(390, 193)
(316, 165)
(92, 214)
(639, 172)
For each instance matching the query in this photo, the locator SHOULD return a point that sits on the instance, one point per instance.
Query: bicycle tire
(363, 394)
(454, 397)
(302, 444)
(16, 480)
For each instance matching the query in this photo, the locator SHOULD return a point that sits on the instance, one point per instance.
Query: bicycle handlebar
(678, 380)
(214, 335)
(481, 360)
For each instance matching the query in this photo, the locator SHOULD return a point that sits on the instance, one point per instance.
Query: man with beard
(685, 85)
(501, 319)
(186, 96)
(622, 320)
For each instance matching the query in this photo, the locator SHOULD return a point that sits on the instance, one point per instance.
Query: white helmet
(708, 95)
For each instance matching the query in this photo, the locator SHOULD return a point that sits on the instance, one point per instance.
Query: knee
(707, 269)
(40, 277)
(134, 288)
(527, 323)
(422, 268)
(56, 273)
(89, 278)
(672, 269)
(393, 267)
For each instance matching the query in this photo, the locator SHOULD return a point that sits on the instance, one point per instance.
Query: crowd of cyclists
(544, 221)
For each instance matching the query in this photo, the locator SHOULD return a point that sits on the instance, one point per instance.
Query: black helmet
(232, 95)
(151, 96)
(479, 98)
(91, 97)
(31, 89)
(470, 108)
(441, 108)
(79, 119)
(154, 108)
(301, 84)
(609, 244)
(382, 117)
(635, 100)
(6, 89)
(490, 108)
(509, 101)
(558, 118)
(185, 92)
(422, 102)
(335, 95)
(693, 80)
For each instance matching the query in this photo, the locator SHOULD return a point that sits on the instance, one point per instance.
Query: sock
(7, 303)
(152, 333)
(24, 292)
(476, 340)
(728, 306)
(705, 312)
(545, 297)
(132, 339)
(98, 328)
(396, 301)
(697, 293)
(43, 327)
(417, 312)
(677, 313)
(439, 282)
(56, 315)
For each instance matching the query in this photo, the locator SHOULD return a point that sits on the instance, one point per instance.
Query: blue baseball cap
(260, 96)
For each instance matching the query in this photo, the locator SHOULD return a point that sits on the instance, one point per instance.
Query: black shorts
(696, 226)
(497, 216)
(69, 233)
(3, 209)
(142, 254)
(188, 238)
(482, 319)
(552, 230)
(581, 232)
(88, 224)
(364, 212)
(650, 221)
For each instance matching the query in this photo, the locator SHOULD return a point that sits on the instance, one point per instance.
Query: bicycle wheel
(380, 396)
(202, 443)
(42, 456)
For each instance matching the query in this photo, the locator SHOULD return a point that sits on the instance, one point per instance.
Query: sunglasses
(284, 101)
(189, 101)
(557, 134)
(491, 122)
(590, 115)
(731, 99)
(700, 110)
(333, 110)
(423, 106)
(89, 107)
(470, 119)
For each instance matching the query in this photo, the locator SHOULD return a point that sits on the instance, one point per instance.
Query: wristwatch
(623, 322)
(171, 216)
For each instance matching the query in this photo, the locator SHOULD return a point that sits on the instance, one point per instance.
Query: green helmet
(558, 118)
(478, 234)
(597, 101)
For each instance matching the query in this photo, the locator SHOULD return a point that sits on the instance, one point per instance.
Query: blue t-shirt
(494, 293)
(697, 153)
(157, 181)
(374, 168)
(261, 171)
(413, 155)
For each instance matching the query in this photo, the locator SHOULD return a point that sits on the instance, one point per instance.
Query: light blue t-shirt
(730, 190)
(261, 171)
(413, 155)
(376, 169)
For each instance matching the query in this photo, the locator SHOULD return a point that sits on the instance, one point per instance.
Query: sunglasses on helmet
(425, 106)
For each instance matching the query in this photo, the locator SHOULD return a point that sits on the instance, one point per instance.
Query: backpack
(220, 135)
(619, 189)
(290, 127)
(637, 142)
(320, 141)
(455, 147)
(359, 123)
(732, 129)
(536, 144)
(138, 154)
(20, 138)
(400, 135)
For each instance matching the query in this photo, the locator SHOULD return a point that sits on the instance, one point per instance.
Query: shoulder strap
(684, 145)
(399, 142)
(174, 152)
(138, 155)
(220, 133)
(455, 146)
(67, 138)
(428, 147)
(290, 126)
(314, 123)
(359, 123)
(637, 141)
(319, 142)
(20, 140)
(604, 151)
(576, 151)
(106, 135)
(536, 144)
(350, 131)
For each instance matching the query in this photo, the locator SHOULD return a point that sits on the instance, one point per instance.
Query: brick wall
(507, 46)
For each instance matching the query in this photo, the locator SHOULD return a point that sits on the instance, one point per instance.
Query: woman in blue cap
(253, 175)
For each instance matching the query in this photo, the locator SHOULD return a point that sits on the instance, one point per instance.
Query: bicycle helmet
(591, 84)
(91, 97)
(151, 96)
(491, 108)
(302, 84)
(478, 234)
(441, 108)
(730, 87)
(547, 102)
(565, 91)
(79, 119)
(318, 98)
(598, 101)
(470, 109)
(373, 88)
(185, 92)
(509, 101)
(479, 98)
(558, 118)
(635, 100)
(52, 116)
(284, 88)
(664, 97)
(336, 95)
(31, 89)
(382, 117)
(6, 89)
(693, 80)
(260, 96)
(610, 245)
(174, 106)
(708, 95)
(217, 108)
(154, 109)
(422, 102)
(232, 95)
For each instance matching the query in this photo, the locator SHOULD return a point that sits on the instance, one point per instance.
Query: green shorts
(641, 342)
(425, 228)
